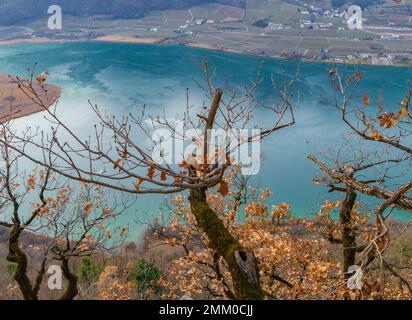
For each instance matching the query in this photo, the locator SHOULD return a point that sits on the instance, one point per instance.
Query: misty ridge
(18, 11)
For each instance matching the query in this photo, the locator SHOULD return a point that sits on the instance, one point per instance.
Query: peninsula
(14, 103)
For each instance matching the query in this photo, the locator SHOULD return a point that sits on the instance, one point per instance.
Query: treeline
(18, 11)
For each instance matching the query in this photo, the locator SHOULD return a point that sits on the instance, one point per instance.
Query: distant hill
(18, 11)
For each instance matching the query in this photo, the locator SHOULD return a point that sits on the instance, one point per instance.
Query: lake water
(121, 77)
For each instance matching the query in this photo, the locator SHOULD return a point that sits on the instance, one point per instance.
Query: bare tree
(379, 169)
(116, 157)
(67, 223)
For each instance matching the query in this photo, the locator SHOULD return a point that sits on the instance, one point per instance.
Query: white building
(275, 26)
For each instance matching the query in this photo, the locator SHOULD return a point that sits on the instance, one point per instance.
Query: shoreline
(107, 38)
(127, 39)
(160, 41)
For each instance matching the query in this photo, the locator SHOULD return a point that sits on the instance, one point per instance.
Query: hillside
(18, 11)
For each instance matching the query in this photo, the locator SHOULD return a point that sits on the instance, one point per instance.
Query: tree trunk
(348, 234)
(71, 290)
(242, 263)
(16, 255)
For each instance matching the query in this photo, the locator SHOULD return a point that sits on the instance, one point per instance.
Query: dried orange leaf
(366, 100)
(387, 120)
(403, 113)
(151, 172)
(183, 164)
(376, 135)
(117, 164)
(41, 78)
(358, 75)
(223, 188)
(137, 184)
(124, 154)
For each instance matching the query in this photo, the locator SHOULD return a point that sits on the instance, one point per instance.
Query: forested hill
(17, 11)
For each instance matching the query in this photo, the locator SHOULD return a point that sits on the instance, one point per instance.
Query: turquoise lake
(124, 77)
